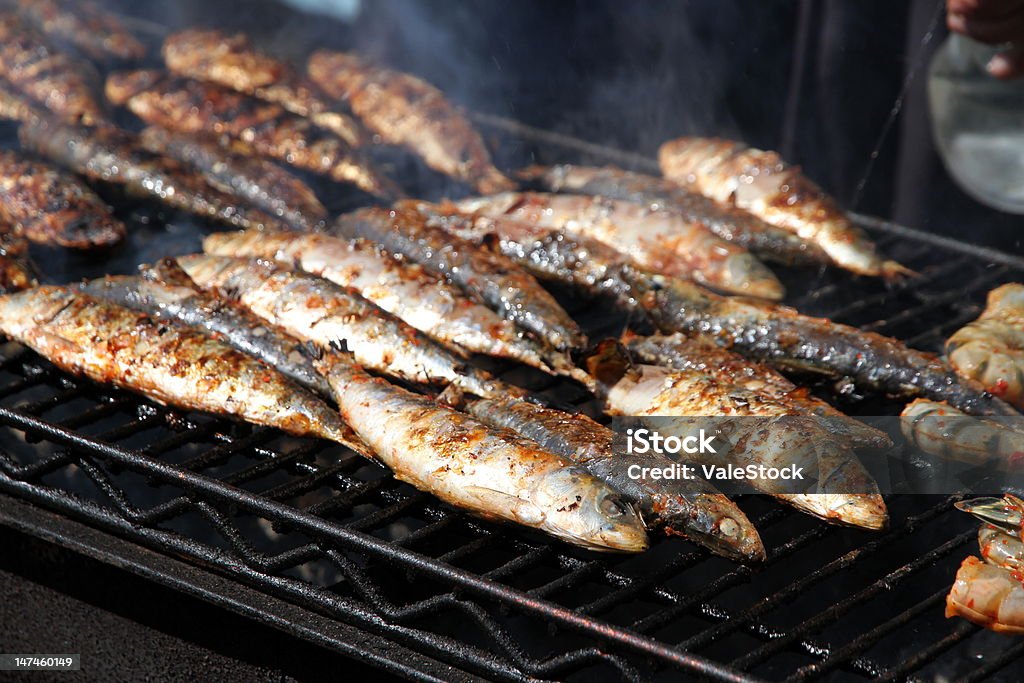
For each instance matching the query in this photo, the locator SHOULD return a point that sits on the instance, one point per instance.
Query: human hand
(992, 21)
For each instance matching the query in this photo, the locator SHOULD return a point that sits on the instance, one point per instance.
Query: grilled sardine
(85, 25)
(16, 270)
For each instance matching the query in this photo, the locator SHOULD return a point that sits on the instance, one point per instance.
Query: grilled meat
(231, 61)
(490, 278)
(691, 508)
(763, 184)
(174, 365)
(258, 182)
(319, 311)
(50, 206)
(491, 472)
(109, 155)
(243, 123)
(768, 242)
(658, 240)
(45, 75)
(405, 110)
(85, 25)
(16, 271)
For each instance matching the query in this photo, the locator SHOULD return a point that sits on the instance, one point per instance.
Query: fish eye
(729, 527)
(610, 506)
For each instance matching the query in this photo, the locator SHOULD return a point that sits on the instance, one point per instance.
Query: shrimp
(989, 596)
(941, 430)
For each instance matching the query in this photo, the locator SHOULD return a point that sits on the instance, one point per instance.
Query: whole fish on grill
(48, 77)
(763, 184)
(245, 124)
(493, 473)
(405, 290)
(231, 61)
(178, 366)
(16, 270)
(259, 182)
(658, 240)
(691, 508)
(50, 206)
(165, 292)
(489, 277)
(109, 155)
(658, 194)
(760, 430)
(319, 311)
(85, 25)
(405, 110)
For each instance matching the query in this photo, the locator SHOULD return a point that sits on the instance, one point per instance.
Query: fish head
(585, 511)
(716, 523)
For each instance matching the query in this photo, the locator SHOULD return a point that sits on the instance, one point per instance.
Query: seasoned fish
(991, 349)
(53, 207)
(260, 183)
(165, 292)
(245, 124)
(405, 110)
(169, 364)
(84, 24)
(48, 77)
(766, 241)
(231, 61)
(109, 155)
(402, 289)
(691, 508)
(16, 271)
(489, 277)
(658, 240)
(763, 184)
(319, 311)
(762, 431)
(493, 473)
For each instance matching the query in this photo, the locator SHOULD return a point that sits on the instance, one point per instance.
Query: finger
(1008, 29)
(1007, 64)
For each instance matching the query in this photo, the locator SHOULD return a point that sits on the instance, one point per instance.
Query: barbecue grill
(314, 541)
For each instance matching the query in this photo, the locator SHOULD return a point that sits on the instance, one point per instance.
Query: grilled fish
(245, 124)
(174, 365)
(260, 183)
(766, 241)
(109, 155)
(16, 271)
(691, 508)
(15, 106)
(47, 76)
(165, 292)
(493, 473)
(490, 278)
(50, 206)
(761, 431)
(658, 240)
(405, 110)
(85, 25)
(319, 311)
(402, 289)
(231, 61)
(763, 184)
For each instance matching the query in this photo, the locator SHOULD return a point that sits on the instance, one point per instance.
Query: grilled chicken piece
(109, 155)
(231, 61)
(85, 25)
(53, 207)
(243, 123)
(405, 110)
(33, 66)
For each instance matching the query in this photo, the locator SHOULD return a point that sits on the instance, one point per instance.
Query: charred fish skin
(169, 364)
(245, 124)
(693, 509)
(319, 311)
(658, 240)
(405, 290)
(85, 25)
(405, 110)
(109, 155)
(53, 207)
(47, 76)
(231, 61)
(762, 183)
(261, 183)
(491, 278)
(733, 225)
(490, 472)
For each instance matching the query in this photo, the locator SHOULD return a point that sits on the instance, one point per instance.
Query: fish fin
(524, 511)
(609, 362)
